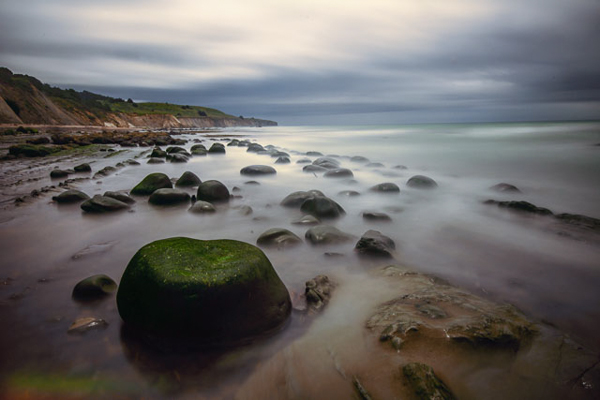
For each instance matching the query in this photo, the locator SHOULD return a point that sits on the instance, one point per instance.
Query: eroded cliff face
(23, 103)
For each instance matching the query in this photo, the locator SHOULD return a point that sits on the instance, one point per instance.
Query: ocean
(549, 271)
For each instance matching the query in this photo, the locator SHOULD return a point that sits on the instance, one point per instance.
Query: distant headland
(26, 100)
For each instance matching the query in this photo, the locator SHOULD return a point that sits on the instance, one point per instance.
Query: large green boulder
(213, 291)
(152, 182)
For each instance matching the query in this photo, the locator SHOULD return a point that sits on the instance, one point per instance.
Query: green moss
(218, 289)
(150, 183)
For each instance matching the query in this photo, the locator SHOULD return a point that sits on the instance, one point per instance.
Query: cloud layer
(318, 62)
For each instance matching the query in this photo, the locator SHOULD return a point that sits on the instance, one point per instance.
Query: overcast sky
(314, 62)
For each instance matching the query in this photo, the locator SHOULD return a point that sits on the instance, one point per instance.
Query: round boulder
(212, 191)
(188, 178)
(505, 188)
(375, 244)
(339, 173)
(421, 182)
(386, 187)
(85, 167)
(120, 196)
(93, 288)
(70, 196)
(296, 199)
(217, 148)
(202, 207)
(322, 207)
(326, 234)
(152, 182)
(278, 237)
(206, 291)
(103, 204)
(252, 170)
(58, 173)
(167, 197)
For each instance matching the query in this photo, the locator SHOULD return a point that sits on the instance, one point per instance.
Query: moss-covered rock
(152, 182)
(85, 167)
(424, 382)
(210, 291)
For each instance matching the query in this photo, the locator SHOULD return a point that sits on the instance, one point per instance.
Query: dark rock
(177, 158)
(322, 207)
(212, 191)
(202, 207)
(375, 216)
(39, 140)
(375, 165)
(158, 153)
(152, 182)
(283, 160)
(279, 154)
(421, 182)
(120, 196)
(326, 234)
(255, 148)
(31, 150)
(199, 152)
(188, 178)
(314, 154)
(133, 163)
(521, 206)
(234, 142)
(318, 292)
(253, 170)
(296, 199)
(581, 221)
(58, 173)
(402, 167)
(245, 210)
(278, 237)
(424, 383)
(374, 244)
(359, 159)
(83, 325)
(198, 147)
(85, 167)
(252, 183)
(93, 288)
(168, 196)
(327, 162)
(103, 204)
(349, 193)
(155, 160)
(70, 196)
(304, 161)
(339, 173)
(505, 188)
(313, 168)
(306, 220)
(386, 187)
(176, 149)
(205, 291)
(105, 171)
(217, 148)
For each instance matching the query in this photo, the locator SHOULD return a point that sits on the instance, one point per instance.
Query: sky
(320, 62)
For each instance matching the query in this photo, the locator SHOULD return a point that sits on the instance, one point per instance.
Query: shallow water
(46, 249)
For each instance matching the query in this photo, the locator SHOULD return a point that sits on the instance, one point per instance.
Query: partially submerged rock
(297, 198)
(386, 187)
(85, 167)
(339, 173)
(70, 197)
(520, 206)
(322, 207)
(327, 234)
(278, 237)
(167, 196)
(318, 292)
(202, 207)
(421, 182)
(212, 191)
(424, 383)
(93, 288)
(205, 291)
(59, 173)
(306, 220)
(188, 178)
(150, 183)
(376, 216)
(505, 188)
(83, 325)
(217, 148)
(103, 204)
(253, 170)
(125, 198)
(375, 244)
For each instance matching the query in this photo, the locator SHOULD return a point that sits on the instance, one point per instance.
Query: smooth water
(549, 274)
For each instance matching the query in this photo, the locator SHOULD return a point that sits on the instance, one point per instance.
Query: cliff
(24, 100)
